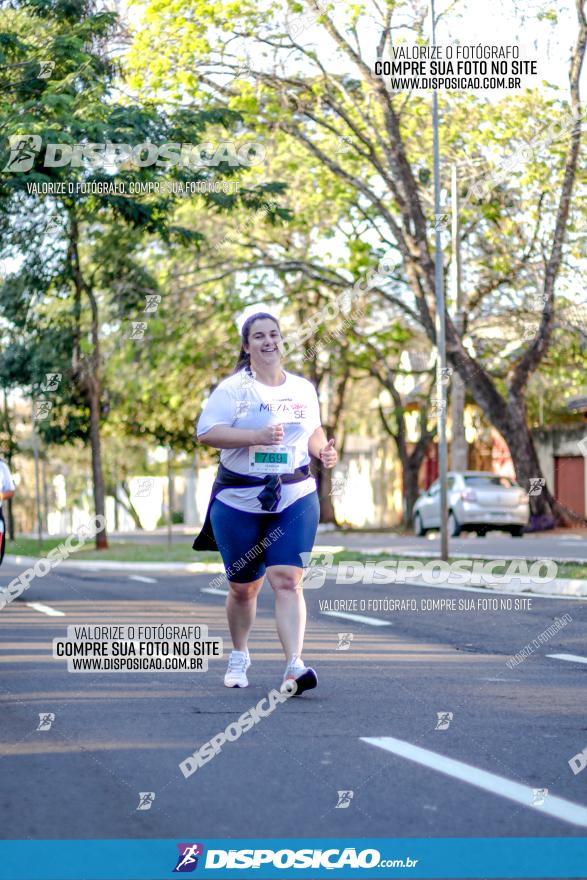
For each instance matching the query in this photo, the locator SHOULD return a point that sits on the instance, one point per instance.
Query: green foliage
(110, 245)
(327, 131)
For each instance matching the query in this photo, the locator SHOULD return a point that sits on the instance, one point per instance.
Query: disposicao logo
(288, 858)
(187, 859)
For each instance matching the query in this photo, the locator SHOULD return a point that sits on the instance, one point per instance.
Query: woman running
(264, 509)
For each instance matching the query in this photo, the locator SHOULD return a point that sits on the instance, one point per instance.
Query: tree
(80, 248)
(368, 152)
(386, 372)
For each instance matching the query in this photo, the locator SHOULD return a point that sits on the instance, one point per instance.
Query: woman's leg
(241, 608)
(290, 607)
(237, 533)
(285, 568)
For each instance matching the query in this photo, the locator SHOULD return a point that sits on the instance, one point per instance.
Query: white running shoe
(236, 674)
(296, 673)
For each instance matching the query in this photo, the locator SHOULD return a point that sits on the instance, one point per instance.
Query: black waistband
(268, 497)
(225, 477)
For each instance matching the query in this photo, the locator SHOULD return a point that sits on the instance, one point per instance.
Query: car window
(450, 482)
(434, 488)
(481, 481)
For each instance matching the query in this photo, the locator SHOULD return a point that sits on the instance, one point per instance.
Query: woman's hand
(272, 435)
(329, 455)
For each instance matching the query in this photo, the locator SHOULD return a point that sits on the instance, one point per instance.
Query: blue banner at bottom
(306, 858)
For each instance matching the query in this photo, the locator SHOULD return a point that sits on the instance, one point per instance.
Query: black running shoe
(304, 678)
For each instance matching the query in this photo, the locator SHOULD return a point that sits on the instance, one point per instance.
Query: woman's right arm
(226, 437)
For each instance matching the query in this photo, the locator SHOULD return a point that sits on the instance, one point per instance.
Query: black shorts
(2, 536)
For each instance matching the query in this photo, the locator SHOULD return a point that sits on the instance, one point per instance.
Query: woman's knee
(285, 579)
(244, 592)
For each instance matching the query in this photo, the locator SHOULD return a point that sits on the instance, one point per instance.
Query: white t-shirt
(242, 402)
(6, 481)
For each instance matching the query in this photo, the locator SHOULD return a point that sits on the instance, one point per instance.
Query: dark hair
(244, 358)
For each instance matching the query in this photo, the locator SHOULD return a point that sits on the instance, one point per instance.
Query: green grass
(133, 551)
(119, 551)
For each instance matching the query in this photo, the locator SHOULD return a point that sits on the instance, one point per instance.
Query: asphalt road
(115, 735)
(569, 544)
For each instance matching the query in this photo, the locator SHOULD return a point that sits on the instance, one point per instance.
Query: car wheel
(454, 528)
(419, 529)
(517, 531)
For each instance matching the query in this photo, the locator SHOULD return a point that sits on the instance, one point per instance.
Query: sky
(508, 21)
(498, 22)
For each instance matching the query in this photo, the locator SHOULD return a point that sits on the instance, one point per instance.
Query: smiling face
(263, 343)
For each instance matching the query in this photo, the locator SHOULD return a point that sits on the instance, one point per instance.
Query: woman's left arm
(320, 447)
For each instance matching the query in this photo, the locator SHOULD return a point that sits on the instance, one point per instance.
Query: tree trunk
(410, 461)
(45, 492)
(10, 451)
(545, 511)
(97, 473)
(113, 489)
(129, 506)
(327, 512)
(509, 417)
(86, 370)
(410, 473)
(10, 520)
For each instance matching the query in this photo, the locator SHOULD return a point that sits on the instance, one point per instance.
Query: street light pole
(458, 446)
(169, 497)
(440, 326)
(35, 442)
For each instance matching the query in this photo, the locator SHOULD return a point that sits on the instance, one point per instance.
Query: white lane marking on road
(572, 658)
(554, 806)
(143, 580)
(45, 609)
(500, 679)
(213, 592)
(358, 618)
